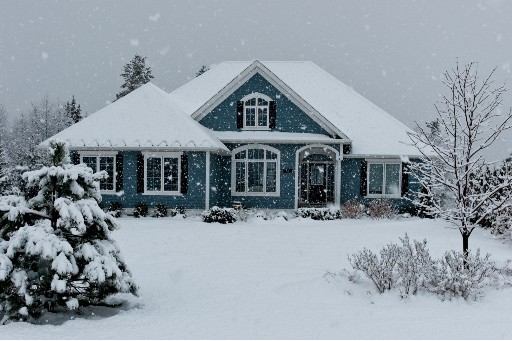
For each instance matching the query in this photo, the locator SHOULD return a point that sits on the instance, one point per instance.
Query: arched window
(255, 170)
(256, 111)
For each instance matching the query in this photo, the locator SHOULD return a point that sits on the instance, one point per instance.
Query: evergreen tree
(73, 110)
(135, 75)
(55, 246)
(202, 70)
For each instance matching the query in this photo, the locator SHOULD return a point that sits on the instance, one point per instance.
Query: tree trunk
(465, 248)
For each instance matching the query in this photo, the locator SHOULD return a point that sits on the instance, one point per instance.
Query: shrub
(140, 210)
(160, 211)
(115, 209)
(219, 215)
(319, 213)
(409, 267)
(381, 209)
(352, 210)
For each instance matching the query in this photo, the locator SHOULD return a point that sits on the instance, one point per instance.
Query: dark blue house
(277, 135)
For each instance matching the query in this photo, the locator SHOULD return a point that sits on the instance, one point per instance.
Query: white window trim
(277, 193)
(162, 155)
(384, 162)
(97, 155)
(256, 95)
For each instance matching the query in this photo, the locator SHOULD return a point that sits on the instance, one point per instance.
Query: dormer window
(256, 112)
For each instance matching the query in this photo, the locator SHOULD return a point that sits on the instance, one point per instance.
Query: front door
(317, 183)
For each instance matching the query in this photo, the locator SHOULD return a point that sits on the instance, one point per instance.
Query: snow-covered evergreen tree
(202, 70)
(55, 246)
(73, 110)
(135, 74)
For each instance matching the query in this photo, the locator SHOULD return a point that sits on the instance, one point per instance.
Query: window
(255, 171)
(384, 179)
(256, 111)
(100, 163)
(162, 173)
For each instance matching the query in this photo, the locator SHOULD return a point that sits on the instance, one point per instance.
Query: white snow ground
(264, 280)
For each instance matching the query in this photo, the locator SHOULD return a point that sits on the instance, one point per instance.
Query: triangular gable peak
(257, 67)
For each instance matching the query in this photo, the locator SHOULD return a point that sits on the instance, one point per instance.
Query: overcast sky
(392, 52)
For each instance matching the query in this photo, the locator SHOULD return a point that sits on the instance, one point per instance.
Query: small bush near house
(381, 209)
(352, 210)
(141, 210)
(115, 209)
(160, 211)
(410, 268)
(219, 215)
(319, 213)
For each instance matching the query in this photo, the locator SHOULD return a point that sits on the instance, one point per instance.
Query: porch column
(207, 182)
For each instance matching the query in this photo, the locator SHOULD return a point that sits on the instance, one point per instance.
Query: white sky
(392, 52)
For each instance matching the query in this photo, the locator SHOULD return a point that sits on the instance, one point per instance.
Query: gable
(289, 117)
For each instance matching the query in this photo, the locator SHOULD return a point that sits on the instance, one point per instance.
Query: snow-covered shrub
(140, 210)
(55, 246)
(410, 268)
(219, 215)
(161, 211)
(379, 270)
(352, 209)
(452, 279)
(328, 213)
(115, 208)
(381, 209)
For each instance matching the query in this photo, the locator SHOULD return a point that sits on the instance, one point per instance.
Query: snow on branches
(469, 121)
(55, 244)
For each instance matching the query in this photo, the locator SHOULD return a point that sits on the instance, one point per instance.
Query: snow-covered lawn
(264, 280)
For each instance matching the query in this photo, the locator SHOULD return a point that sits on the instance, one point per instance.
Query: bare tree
(470, 120)
(4, 132)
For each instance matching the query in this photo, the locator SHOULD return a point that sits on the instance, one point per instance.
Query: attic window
(256, 111)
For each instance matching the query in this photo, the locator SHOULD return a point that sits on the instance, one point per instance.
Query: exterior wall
(286, 200)
(351, 181)
(194, 199)
(289, 118)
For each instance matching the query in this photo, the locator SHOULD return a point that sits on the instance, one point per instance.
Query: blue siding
(289, 118)
(194, 199)
(351, 181)
(286, 200)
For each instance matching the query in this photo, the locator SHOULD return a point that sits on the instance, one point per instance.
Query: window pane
(240, 177)
(258, 154)
(262, 117)
(154, 174)
(271, 176)
(171, 174)
(271, 156)
(90, 161)
(317, 176)
(107, 164)
(392, 178)
(255, 176)
(375, 179)
(261, 101)
(250, 117)
(240, 155)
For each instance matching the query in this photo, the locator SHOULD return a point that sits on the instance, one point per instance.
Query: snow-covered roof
(372, 130)
(272, 136)
(144, 118)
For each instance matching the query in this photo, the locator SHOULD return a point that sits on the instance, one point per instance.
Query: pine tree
(202, 70)
(73, 110)
(55, 246)
(4, 132)
(135, 75)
